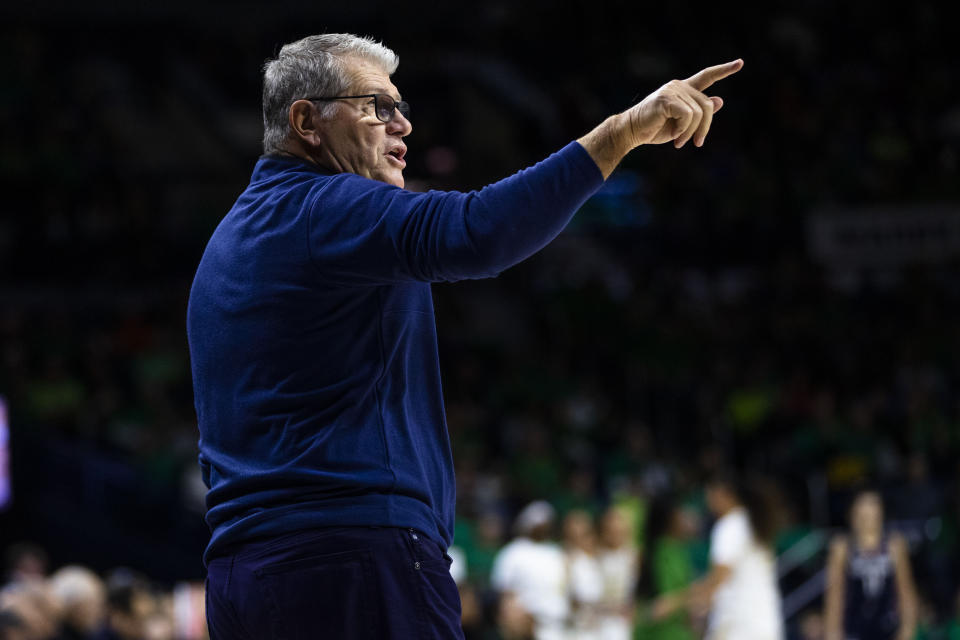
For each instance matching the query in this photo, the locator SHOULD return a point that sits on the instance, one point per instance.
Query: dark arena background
(783, 302)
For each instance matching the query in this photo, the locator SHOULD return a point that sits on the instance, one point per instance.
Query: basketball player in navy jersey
(870, 590)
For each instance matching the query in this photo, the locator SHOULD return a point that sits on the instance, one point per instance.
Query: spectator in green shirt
(666, 572)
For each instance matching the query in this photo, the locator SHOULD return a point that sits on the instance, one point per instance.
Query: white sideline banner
(884, 236)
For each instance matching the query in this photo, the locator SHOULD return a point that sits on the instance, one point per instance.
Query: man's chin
(392, 177)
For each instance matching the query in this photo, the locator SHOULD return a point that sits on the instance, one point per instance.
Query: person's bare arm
(513, 621)
(669, 603)
(677, 111)
(700, 595)
(906, 590)
(833, 600)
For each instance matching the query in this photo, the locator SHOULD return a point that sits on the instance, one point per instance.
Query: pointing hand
(679, 110)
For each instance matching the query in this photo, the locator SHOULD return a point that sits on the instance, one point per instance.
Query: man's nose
(399, 125)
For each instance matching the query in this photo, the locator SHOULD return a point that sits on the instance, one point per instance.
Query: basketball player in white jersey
(740, 589)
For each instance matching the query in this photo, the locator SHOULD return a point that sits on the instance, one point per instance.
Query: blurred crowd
(678, 326)
(75, 603)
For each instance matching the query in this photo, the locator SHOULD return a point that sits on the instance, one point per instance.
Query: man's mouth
(396, 156)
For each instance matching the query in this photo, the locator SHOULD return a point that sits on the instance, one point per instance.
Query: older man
(317, 384)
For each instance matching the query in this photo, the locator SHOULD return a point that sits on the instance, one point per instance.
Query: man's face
(353, 140)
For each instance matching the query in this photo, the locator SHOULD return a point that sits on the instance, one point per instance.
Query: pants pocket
(442, 598)
(439, 599)
(321, 596)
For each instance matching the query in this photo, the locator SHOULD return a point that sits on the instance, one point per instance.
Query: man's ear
(303, 124)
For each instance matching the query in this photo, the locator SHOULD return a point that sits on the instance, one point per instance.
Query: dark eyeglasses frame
(402, 106)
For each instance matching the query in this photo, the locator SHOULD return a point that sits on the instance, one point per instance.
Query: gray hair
(313, 66)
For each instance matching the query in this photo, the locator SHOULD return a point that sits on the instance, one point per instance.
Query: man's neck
(290, 151)
(319, 158)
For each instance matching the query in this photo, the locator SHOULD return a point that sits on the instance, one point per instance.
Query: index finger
(703, 79)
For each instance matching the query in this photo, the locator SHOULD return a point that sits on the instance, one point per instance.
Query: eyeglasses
(386, 106)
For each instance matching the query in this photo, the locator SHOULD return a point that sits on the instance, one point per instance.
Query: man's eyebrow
(388, 92)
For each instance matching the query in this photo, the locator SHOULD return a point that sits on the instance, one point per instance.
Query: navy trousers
(348, 583)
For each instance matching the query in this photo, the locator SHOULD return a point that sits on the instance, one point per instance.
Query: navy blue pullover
(313, 344)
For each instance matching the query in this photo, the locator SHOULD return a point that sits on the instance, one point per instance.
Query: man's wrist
(625, 133)
(609, 142)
